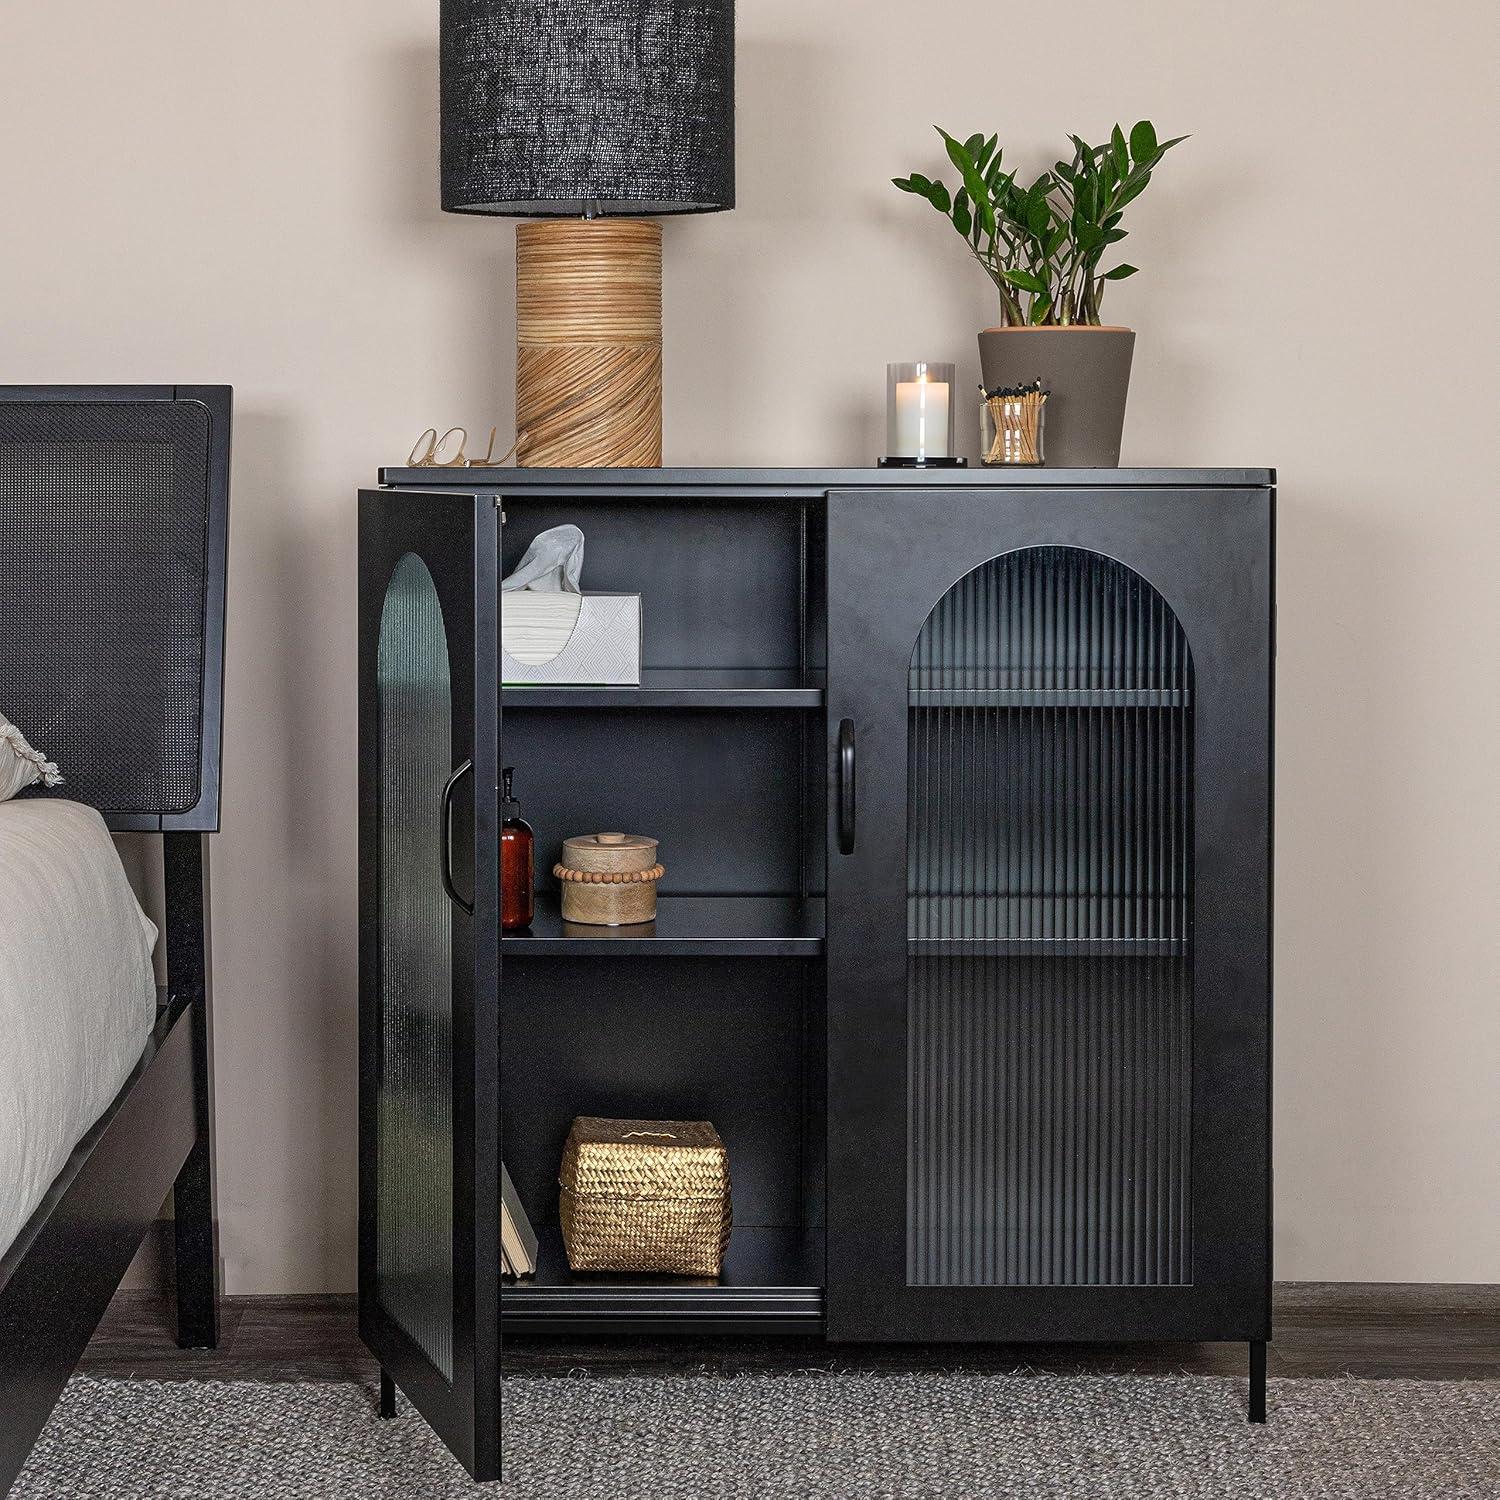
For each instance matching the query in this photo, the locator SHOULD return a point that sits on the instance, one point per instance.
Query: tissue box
(570, 639)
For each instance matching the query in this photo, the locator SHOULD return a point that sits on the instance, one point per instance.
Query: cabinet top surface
(813, 482)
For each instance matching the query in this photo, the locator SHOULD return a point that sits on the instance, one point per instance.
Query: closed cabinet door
(429, 957)
(1048, 914)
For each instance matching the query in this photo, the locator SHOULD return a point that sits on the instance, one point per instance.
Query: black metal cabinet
(963, 787)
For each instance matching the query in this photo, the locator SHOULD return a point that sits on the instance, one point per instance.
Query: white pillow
(20, 765)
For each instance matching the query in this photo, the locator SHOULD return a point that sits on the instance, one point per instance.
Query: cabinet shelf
(679, 687)
(1073, 926)
(1016, 947)
(1019, 697)
(685, 926)
(771, 1277)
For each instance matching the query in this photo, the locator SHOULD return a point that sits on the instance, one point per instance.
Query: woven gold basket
(645, 1195)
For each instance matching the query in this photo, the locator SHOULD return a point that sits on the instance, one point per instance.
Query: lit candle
(922, 418)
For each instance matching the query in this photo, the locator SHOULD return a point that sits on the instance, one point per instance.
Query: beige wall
(198, 190)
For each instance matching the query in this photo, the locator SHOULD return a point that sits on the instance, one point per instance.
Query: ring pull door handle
(445, 814)
(846, 790)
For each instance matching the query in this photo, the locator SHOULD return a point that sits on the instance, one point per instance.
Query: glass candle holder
(919, 412)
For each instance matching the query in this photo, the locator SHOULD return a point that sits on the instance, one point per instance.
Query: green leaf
(1121, 152)
(934, 192)
(963, 220)
(1055, 241)
(1135, 185)
(1027, 281)
(958, 153)
(1038, 213)
(961, 157)
(1142, 140)
(987, 150)
(1041, 310)
(974, 145)
(1119, 273)
(987, 216)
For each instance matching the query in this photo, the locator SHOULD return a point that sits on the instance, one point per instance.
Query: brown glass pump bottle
(517, 862)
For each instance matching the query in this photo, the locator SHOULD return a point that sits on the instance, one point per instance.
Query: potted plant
(1043, 246)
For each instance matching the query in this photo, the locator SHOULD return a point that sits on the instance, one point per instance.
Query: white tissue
(553, 563)
(541, 600)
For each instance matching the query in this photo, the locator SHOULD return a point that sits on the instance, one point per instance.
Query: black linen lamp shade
(585, 107)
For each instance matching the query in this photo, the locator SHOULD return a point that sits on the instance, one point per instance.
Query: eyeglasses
(447, 452)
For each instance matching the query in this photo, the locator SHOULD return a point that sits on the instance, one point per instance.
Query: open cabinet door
(1049, 913)
(429, 959)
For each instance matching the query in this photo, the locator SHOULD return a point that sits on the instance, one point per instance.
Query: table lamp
(582, 116)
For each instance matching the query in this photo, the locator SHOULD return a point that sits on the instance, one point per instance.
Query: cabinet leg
(387, 1396)
(1258, 1381)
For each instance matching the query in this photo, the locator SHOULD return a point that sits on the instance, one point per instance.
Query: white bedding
(77, 991)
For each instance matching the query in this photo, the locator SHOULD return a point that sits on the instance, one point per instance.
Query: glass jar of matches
(1010, 424)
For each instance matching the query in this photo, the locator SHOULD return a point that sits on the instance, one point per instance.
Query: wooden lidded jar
(609, 879)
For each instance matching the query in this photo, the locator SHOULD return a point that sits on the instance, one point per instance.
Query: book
(517, 1237)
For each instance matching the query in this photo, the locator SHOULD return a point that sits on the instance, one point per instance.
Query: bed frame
(59, 1275)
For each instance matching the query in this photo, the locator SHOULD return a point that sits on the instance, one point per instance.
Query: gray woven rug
(787, 1436)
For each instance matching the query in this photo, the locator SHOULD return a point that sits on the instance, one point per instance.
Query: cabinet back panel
(674, 1039)
(718, 788)
(720, 585)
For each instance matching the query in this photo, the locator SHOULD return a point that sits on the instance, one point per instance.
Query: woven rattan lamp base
(588, 343)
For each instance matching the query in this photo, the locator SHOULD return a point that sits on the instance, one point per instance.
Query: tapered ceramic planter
(1088, 372)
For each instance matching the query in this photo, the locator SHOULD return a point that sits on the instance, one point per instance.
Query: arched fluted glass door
(1049, 924)
(414, 1148)
(429, 959)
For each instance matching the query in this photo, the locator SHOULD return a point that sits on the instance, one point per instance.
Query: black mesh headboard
(113, 524)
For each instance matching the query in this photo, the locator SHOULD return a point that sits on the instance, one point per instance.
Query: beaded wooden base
(609, 879)
(588, 343)
(606, 877)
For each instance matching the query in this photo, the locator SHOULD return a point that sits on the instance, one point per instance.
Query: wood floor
(1373, 1330)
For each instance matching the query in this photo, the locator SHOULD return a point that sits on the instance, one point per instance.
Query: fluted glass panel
(414, 1230)
(1049, 929)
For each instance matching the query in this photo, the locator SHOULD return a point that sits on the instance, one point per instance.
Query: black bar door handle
(846, 786)
(445, 815)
